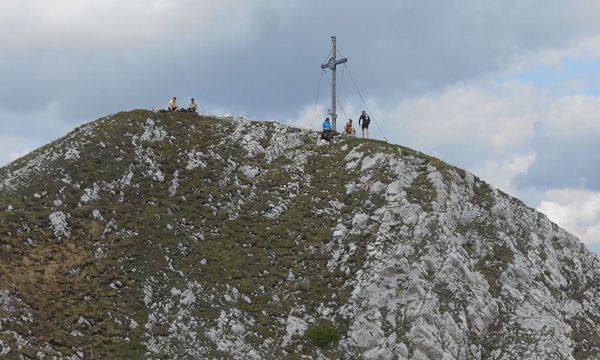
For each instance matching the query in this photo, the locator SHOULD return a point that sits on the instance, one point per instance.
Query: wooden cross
(332, 64)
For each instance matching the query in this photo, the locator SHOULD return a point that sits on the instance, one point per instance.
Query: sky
(507, 89)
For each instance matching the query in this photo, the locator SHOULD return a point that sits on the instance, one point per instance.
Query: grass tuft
(323, 333)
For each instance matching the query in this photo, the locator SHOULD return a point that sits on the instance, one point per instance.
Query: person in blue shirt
(327, 131)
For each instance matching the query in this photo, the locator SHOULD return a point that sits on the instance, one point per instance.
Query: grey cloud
(395, 48)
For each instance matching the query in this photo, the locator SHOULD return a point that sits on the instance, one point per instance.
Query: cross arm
(332, 63)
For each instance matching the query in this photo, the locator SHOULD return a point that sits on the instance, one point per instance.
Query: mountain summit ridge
(145, 235)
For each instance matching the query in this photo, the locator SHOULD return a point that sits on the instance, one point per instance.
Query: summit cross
(332, 64)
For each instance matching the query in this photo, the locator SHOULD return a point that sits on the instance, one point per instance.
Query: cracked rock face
(154, 236)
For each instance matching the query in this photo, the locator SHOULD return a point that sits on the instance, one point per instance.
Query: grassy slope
(244, 253)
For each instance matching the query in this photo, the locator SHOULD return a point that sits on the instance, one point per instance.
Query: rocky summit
(176, 236)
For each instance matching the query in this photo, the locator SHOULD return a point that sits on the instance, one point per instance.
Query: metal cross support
(331, 64)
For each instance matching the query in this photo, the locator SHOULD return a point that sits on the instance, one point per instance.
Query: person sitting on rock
(327, 131)
(326, 124)
(349, 129)
(192, 106)
(172, 104)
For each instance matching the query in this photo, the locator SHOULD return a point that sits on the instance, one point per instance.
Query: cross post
(332, 64)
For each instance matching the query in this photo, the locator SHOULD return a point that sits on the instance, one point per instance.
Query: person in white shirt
(192, 107)
(172, 104)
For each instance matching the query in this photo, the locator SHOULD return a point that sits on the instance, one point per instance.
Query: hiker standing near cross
(332, 64)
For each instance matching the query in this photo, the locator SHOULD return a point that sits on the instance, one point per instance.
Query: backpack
(327, 135)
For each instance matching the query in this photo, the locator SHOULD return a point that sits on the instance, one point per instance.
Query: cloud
(501, 117)
(576, 210)
(586, 46)
(310, 117)
(563, 164)
(573, 117)
(84, 22)
(254, 57)
(566, 141)
(113, 23)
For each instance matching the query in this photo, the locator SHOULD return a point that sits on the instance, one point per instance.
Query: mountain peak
(145, 235)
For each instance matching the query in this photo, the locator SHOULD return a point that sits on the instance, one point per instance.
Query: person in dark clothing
(363, 121)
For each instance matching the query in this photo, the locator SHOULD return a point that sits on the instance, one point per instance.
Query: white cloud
(501, 117)
(498, 117)
(502, 173)
(309, 117)
(576, 210)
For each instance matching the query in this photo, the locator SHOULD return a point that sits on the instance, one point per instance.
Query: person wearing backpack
(363, 121)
